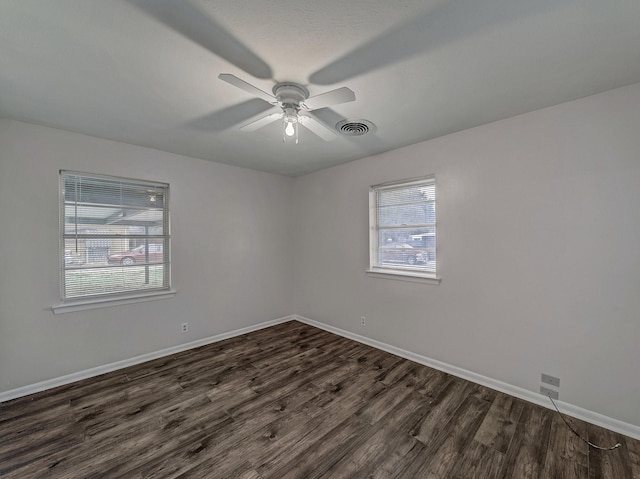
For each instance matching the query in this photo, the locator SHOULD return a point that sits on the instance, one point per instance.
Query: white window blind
(114, 236)
(403, 227)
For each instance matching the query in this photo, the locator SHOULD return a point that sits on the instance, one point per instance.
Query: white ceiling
(145, 71)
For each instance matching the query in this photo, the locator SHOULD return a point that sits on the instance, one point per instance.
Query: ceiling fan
(296, 106)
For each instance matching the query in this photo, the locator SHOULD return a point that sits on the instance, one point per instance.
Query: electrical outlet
(185, 327)
(549, 392)
(550, 380)
(363, 321)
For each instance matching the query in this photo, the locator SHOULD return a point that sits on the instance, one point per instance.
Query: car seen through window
(138, 255)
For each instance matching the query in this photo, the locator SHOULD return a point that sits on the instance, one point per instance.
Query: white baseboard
(107, 368)
(592, 417)
(577, 412)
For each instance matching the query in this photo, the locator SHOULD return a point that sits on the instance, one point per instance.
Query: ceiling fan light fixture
(289, 130)
(290, 123)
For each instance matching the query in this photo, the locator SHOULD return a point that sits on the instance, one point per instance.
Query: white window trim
(108, 300)
(400, 274)
(83, 305)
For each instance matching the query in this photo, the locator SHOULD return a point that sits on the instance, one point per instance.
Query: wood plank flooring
(293, 401)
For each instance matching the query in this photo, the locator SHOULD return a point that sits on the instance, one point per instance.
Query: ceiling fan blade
(248, 87)
(197, 24)
(260, 122)
(318, 128)
(231, 116)
(440, 25)
(333, 97)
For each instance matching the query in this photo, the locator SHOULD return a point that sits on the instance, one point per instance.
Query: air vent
(355, 127)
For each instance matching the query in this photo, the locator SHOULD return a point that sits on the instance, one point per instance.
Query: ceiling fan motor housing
(290, 94)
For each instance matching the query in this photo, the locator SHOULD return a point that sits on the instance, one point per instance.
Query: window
(403, 228)
(114, 237)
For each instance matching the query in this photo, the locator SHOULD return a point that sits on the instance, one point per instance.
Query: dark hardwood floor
(293, 401)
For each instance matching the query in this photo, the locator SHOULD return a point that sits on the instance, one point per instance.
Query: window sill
(83, 305)
(410, 276)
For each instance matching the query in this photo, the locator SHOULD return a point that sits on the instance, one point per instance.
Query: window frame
(387, 271)
(134, 295)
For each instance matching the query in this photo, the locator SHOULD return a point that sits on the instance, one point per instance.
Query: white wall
(538, 250)
(231, 254)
